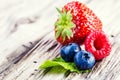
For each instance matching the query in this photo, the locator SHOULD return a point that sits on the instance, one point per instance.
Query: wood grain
(27, 39)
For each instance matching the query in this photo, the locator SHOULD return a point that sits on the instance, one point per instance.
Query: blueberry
(84, 60)
(68, 51)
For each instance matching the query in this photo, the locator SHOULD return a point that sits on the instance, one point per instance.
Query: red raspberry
(98, 44)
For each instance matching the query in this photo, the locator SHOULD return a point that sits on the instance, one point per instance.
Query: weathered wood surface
(27, 39)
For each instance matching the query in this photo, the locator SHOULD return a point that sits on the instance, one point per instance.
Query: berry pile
(78, 25)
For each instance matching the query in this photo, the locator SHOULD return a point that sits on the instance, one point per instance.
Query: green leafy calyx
(64, 24)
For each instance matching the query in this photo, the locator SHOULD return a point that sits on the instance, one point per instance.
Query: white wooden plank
(24, 21)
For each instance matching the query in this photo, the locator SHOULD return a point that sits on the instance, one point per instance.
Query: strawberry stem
(64, 24)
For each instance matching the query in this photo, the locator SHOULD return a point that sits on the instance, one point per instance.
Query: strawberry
(75, 22)
(98, 44)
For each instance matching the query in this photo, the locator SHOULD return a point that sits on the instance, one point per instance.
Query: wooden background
(27, 39)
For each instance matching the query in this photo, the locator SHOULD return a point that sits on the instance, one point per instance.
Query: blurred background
(25, 23)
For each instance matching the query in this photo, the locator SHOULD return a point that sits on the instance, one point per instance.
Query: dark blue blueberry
(84, 60)
(68, 51)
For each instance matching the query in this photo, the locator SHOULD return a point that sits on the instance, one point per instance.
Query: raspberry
(98, 44)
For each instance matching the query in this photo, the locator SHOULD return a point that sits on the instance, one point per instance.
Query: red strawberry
(98, 44)
(75, 22)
